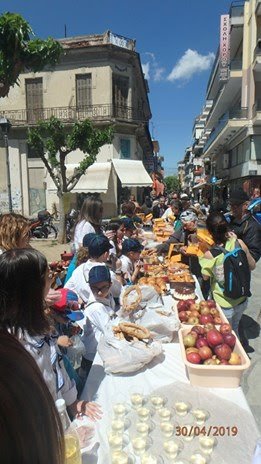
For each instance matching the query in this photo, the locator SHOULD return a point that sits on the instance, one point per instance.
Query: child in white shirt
(98, 312)
(130, 265)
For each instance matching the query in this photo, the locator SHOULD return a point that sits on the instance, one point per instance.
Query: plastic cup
(164, 414)
(207, 444)
(182, 408)
(167, 429)
(158, 401)
(200, 415)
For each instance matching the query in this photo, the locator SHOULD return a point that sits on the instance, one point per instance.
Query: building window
(83, 90)
(120, 93)
(125, 148)
(34, 99)
(256, 148)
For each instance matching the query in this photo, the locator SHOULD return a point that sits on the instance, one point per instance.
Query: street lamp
(5, 126)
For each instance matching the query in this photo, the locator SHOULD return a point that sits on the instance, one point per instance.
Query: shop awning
(95, 179)
(131, 173)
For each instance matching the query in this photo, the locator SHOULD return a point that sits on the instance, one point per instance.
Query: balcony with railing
(104, 112)
(233, 114)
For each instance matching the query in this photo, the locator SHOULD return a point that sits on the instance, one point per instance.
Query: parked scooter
(43, 226)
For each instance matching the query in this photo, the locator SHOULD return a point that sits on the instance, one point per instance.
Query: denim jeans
(234, 315)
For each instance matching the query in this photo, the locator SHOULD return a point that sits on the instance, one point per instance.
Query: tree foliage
(19, 51)
(172, 183)
(52, 141)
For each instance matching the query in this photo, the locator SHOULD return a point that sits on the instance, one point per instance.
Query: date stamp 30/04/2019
(210, 430)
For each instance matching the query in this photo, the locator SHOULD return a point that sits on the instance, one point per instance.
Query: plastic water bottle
(257, 454)
(72, 444)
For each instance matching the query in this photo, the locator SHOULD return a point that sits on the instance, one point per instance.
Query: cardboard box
(220, 376)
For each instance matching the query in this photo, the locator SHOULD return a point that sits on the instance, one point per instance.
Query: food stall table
(166, 374)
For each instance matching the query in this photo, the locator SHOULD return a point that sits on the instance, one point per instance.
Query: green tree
(19, 51)
(52, 141)
(172, 184)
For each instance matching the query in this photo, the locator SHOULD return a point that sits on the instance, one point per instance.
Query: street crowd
(39, 324)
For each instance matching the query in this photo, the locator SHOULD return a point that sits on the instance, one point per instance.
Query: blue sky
(177, 41)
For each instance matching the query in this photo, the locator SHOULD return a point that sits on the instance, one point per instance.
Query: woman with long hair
(24, 284)
(89, 220)
(30, 427)
(212, 266)
(14, 232)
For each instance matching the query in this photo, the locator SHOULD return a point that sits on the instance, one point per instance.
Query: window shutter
(125, 148)
(34, 99)
(83, 90)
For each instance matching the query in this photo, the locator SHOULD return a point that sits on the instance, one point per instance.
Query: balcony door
(84, 95)
(34, 99)
(120, 94)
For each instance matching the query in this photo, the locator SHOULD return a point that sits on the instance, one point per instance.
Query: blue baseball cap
(99, 274)
(128, 223)
(98, 245)
(68, 305)
(130, 244)
(87, 238)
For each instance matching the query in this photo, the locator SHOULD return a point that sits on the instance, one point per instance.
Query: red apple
(203, 304)
(190, 302)
(235, 359)
(208, 327)
(214, 312)
(224, 362)
(189, 340)
(206, 319)
(205, 352)
(194, 307)
(205, 310)
(225, 328)
(211, 361)
(211, 303)
(193, 358)
(223, 351)
(214, 338)
(217, 320)
(194, 314)
(201, 342)
(230, 339)
(192, 350)
(193, 320)
(200, 331)
(182, 306)
(183, 317)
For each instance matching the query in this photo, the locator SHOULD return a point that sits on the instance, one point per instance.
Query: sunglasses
(100, 289)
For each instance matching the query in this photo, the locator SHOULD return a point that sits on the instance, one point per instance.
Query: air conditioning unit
(225, 161)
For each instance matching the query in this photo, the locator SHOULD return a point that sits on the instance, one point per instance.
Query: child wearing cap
(99, 248)
(98, 312)
(130, 264)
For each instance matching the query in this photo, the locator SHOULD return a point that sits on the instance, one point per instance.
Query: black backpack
(237, 274)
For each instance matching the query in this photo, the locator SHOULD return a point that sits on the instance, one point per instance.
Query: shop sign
(224, 48)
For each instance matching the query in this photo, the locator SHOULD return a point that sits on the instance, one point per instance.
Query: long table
(167, 374)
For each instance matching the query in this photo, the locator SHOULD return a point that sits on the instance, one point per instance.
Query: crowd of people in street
(36, 319)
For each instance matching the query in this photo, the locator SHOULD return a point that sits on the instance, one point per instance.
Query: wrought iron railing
(23, 117)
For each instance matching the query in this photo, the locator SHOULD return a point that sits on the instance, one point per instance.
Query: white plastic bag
(162, 326)
(76, 351)
(120, 356)
(149, 295)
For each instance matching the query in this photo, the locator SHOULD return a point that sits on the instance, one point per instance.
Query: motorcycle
(43, 226)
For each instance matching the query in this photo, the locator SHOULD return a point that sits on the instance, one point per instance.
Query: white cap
(60, 405)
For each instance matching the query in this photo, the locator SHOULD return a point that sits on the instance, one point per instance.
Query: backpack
(236, 272)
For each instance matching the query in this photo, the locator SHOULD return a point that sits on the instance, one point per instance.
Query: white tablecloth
(105, 389)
